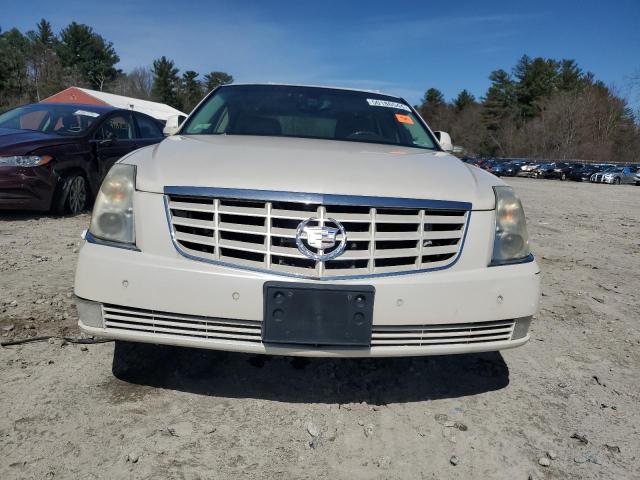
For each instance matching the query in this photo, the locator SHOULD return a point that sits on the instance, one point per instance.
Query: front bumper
(156, 295)
(26, 188)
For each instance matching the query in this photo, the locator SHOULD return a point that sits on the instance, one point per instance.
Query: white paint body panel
(311, 166)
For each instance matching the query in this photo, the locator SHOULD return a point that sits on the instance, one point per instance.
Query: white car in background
(306, 221)
(615, 176)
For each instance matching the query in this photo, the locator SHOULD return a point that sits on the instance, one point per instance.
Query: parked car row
(579, 172)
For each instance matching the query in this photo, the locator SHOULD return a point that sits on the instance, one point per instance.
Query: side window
(116, 126)
(148, 127)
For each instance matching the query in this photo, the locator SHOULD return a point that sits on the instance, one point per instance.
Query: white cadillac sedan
(310, 221)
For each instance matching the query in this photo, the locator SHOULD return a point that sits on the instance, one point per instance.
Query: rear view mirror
(445, 140)
(173, 124)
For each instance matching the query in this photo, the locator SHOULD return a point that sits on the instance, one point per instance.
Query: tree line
(545, 109)
(39, 63)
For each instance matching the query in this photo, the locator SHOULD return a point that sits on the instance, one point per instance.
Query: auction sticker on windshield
(86, 113)
(404, 119)
(374, 102)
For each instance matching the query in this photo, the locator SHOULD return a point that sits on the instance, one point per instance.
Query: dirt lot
(570, 398)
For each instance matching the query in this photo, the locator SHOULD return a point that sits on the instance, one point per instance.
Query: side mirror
(173, 124)
(445, 140)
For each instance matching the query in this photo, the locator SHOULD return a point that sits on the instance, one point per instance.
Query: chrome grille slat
(260, 234)
(201, 239)
(287, 252)
(439, 250)
(446, 235)
(239, 228)
(386, 218)
(194, 207)
(194, 222)
(443, 219)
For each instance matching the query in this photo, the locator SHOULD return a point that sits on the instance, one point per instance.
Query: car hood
(310, 166)
(22, 142)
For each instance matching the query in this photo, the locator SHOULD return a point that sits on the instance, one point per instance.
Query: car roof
(101, 109)
(95, 108)
(348, 89)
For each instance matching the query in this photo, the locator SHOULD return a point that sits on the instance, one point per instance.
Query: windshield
(309, 112)
(66, 120)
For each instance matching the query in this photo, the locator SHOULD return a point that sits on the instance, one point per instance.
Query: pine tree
(88, 59)
(464, 100)
(215, 79)
(165, 82)
(191, 91)
(432, 105)
(45, 69)
(14, 81)
(570, 77)
(535, 79)
(500, 99)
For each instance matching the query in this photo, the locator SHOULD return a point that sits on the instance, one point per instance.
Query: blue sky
(397, 47)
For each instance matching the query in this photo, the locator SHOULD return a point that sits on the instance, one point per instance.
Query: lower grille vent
(130, 319)
(423, 335)
(138, 320)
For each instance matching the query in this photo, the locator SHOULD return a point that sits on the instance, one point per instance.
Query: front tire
(616, 181)
(563, 177)
(74, 195)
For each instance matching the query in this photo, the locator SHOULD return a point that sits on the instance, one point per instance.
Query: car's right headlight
(511, 241)
(112, 218)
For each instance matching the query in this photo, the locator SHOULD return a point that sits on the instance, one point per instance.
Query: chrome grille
(261, 234)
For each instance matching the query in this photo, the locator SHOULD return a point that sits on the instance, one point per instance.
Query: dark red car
(54, 156)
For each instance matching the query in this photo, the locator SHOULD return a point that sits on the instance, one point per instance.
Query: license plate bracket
(316, 314)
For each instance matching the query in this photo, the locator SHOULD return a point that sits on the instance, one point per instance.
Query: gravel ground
(563, 406)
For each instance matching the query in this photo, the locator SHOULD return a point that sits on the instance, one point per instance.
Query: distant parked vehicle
(583, 174)
(544, 170)
(615, 176)
(488, 165)
(562, 170)
(506, 169)
(528, 170)
(53, 156)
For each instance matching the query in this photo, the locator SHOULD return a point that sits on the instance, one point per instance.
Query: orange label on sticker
(404, 119)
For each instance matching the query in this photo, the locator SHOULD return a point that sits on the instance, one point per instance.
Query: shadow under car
(376, 381)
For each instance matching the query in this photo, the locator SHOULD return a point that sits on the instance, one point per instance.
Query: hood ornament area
(321, 235)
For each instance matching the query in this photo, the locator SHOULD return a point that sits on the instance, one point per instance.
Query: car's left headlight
(25, 160)
(112, 218)
(511, 242)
